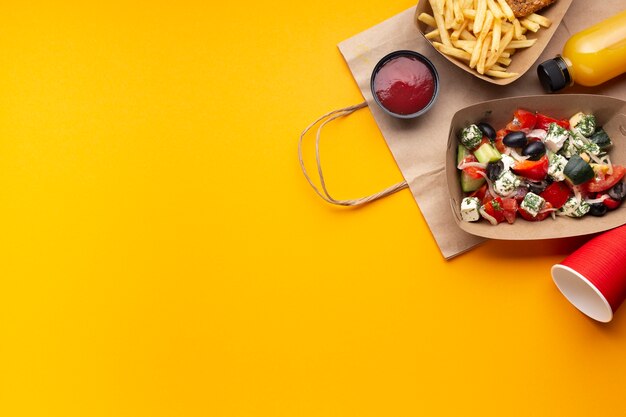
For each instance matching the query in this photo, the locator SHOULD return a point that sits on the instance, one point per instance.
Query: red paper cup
(594, 277)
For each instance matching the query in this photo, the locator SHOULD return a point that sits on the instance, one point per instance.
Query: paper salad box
(610, 114)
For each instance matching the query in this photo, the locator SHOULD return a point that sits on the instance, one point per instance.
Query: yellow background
(162, 255)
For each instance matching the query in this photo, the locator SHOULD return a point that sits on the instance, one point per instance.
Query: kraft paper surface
(419, 145)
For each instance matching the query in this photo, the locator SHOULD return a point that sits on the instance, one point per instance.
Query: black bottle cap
(553, 74)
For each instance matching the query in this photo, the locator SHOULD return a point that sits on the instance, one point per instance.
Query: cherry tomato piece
(510, 209)
(499, 142)
(597, 185)
(495, 209)
(556, 194)
(611, 204)
(543, 122)
(545, 212)
(533, 170)
(474, 172)
(480, 193)
(522, 120)
(487, 197)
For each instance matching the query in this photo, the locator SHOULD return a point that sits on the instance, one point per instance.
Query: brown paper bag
(419, 145)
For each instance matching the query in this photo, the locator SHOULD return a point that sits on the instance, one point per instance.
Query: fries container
(524, 58)
(610, 114)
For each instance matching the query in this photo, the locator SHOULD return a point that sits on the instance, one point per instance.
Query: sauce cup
(405, 84)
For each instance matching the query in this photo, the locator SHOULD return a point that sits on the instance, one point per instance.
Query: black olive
(487, 130)
(537, 187)
(515, 139)
(618, 191)
(534, 150)
(494, 169)
(598, 210)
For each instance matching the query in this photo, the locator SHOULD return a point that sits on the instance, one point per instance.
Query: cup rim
(572, 283)
(421, 58)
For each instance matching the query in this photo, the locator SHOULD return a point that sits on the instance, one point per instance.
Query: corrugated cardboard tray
(524, 58)
(611, 115)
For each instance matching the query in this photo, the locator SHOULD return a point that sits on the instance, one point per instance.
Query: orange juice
(591, 57)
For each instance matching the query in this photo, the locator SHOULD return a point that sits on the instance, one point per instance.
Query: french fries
(542, 21)
(517, 27)
(481, 11)
(452, 51)
(428, 19)
(481, 39)
(433, 34)
(438, 5)
(483, 34)
(526, 43)
(530, 25)
(495, 9)
(506, 9)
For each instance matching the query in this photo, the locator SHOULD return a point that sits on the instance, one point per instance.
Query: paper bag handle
(327, 118)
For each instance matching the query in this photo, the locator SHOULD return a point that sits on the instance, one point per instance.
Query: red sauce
(404, 85)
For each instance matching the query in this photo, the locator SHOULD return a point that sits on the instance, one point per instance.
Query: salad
(537, 167)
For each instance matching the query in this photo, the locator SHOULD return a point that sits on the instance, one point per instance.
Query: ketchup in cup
(405, 84)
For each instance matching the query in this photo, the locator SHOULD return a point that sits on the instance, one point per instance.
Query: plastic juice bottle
(589, 58)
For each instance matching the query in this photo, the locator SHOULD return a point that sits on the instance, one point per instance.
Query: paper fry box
(523, 58)
(610, 114)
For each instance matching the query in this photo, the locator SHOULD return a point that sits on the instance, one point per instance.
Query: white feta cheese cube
(506, 183)
(471, 136)
(469, 209)
(556, 167)
(532, 203)
(556, 137)
(573, 146)
(575, 208)
(585, 124)
(591, 148)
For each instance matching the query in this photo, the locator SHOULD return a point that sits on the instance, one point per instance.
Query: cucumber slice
(461, 153)
(469, 183)
(601, 139)
(578, 171)
(487, 153)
